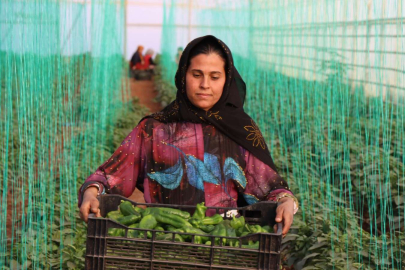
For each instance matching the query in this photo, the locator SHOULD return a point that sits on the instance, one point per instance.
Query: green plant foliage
(347, 172)
(66, 238)
(166, 90)
(319, 244)
(61, 87)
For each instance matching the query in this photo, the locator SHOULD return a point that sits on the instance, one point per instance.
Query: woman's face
(205, 80)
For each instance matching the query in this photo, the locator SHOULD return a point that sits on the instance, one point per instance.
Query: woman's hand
(285, 214)
(90, 204)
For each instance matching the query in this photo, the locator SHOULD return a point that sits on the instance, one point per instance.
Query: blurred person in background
(144, 70)
(149, 63)
(136, 59)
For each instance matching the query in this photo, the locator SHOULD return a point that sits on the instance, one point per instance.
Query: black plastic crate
(111, 252)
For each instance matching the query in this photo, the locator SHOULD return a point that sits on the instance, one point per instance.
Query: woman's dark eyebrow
(198, 70)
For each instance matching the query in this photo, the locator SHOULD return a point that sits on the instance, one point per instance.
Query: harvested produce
(171, 224)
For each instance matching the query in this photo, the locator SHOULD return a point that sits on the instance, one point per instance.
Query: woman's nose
(204, 83)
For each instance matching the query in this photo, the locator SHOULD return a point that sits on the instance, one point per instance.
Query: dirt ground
(145, 91)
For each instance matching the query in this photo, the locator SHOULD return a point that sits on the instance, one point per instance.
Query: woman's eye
(196, 75)
(215, 78)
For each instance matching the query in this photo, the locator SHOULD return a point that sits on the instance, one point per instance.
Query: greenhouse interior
(324, 89)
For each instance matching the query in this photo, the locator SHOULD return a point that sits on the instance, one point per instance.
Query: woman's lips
(204, 95)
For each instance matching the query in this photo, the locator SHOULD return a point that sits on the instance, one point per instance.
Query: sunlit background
(325, 82)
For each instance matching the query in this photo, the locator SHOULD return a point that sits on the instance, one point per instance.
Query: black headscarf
(227, 115)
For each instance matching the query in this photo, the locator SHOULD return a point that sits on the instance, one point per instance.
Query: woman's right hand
(90, 204)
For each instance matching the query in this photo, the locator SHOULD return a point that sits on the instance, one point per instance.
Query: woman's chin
(202, 105)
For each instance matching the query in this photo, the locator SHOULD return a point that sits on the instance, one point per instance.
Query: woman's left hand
(285, 214)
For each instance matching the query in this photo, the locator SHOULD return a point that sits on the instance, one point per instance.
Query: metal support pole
(190, 3)
(398, 49)
(125, 27)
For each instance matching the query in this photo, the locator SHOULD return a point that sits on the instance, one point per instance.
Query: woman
(202, 147)
(137, 58)
(149, 63)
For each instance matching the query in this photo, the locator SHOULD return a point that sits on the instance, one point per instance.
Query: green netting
(61, 70)
(326, 85)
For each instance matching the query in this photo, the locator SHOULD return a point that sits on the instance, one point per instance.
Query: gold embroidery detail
(215, 114)
(253, 196)
(162, 116)
(175, 106)
(255, 135)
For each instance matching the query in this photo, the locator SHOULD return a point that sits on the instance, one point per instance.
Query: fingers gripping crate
(104, 251)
